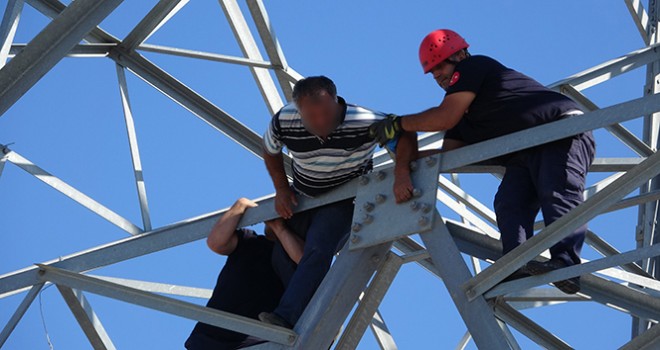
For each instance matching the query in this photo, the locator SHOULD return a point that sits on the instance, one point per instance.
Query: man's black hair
(314, 87)
(453, 61)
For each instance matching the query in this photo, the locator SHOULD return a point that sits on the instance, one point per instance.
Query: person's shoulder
(288, 112)
(356, 112)
(480, 61)
(482, 58)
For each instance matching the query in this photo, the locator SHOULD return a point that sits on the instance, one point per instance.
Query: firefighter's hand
(285, 200)
(403, 188)
(383, 131)
(243, 204)
(276, 225)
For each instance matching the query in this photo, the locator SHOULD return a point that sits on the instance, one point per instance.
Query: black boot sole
(569, 286)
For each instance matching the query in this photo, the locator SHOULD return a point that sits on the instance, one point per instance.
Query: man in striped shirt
(330, 145)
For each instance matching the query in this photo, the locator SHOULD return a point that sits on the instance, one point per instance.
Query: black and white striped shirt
(321, 165)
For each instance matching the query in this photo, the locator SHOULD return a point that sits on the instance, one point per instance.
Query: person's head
(269, 233)
(440, 52)
(316, 99)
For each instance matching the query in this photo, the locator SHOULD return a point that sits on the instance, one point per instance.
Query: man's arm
(406, 151)
(222, 239)
(293, 245)
(275, 167)
(443, 117)
(285, 199)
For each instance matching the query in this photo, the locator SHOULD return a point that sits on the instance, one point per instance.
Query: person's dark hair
(452, 59)
(313, 87)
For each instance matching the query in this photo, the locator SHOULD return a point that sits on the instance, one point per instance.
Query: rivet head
(426, 208)
(380, 198)
(430, 161)
(364, 180)
(417, 193)
(380, 175)
(413, 165)
(414, 206)
(357, 227)
(375, 258)
(368, 206)
(367, 219)
(423, 221)
(355, 238)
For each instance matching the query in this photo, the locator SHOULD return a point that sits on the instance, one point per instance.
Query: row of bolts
(380, 198)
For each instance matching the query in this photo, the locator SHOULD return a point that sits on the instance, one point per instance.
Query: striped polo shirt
(321, 165)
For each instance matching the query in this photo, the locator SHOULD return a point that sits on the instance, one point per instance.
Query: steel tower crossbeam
(379, 245)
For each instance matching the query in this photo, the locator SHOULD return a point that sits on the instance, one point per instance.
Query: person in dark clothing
(248, 283)
(484, 99)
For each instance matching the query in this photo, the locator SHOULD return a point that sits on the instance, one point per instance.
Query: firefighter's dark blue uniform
(548, 177)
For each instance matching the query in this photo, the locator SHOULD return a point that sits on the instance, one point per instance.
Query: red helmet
(438, 46)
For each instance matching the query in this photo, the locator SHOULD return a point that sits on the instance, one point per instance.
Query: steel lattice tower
(380, 242)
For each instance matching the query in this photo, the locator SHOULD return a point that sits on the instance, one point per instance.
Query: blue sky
(71, 124)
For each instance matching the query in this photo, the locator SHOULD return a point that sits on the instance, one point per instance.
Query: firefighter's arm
(222, 239)
(443, 117)
(293, 245)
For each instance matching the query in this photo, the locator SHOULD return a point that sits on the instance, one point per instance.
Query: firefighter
(485, 99)
(249, 282)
